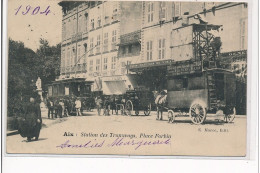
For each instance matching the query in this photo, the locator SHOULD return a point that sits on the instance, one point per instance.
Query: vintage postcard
(149, 78)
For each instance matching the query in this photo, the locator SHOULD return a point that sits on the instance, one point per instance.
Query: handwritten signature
(116, 143)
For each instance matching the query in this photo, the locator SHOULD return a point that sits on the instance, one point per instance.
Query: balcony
(80, 68)
(76, 37)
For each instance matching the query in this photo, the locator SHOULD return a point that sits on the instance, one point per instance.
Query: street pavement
(213, 138)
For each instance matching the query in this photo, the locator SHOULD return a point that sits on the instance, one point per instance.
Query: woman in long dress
(30, 124)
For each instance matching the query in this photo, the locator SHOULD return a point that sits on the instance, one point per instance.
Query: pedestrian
(56, 108)
(66, 109)
(31, 122)
(61, 108)
(99, 103)
(50, 107)
(106, 106)
(78, 107)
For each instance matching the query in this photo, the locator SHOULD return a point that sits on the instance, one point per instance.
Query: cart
(137, 100)
(202, 92)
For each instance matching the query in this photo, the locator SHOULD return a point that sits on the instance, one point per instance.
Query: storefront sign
(234, 53)
(183, 69)
(150, 64)
(113, 78)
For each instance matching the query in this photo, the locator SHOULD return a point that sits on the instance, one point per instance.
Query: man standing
(50, 108)
(98, 101)
(78, 107)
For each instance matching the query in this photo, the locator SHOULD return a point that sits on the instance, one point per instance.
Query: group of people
(63, 107)
(69, 106)
(108, 103)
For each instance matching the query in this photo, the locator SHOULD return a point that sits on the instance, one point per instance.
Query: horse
(160, 102)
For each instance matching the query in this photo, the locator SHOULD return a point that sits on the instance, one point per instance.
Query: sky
(30, 28)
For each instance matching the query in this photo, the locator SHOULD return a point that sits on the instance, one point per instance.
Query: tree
(20, 76)
(48, 62)
(25, 66)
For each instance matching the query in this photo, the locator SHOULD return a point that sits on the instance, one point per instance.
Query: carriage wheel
(128, 107)
(147, 110)
(228, 118)
(171, 116)
(197, 113)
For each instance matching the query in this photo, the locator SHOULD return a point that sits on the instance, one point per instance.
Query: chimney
(185, 19)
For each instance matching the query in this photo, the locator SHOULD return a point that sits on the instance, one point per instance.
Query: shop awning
(74, 80)
(114, 87)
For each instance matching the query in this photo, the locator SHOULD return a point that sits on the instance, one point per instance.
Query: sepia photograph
(127, 78)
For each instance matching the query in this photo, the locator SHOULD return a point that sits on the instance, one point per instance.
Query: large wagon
(202, 92)
(137, 100)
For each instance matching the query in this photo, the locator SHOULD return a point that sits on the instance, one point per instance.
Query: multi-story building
(161, 20)
(91, 32)
(101, 39)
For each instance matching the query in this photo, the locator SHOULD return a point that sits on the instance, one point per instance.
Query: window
(105, 42)
(176, 9)
(85, 47)
(97, 64)
(98, 44)
(64, 31)
(123, 67)
(92, 24)
(81, 23)
(150, 12)
(85, 22)
(91, 46)
(68, 58)
(114, 17)
(69, 29)
(149, 46)
(113, 40)
(91, 65)
(63, 58)
(72, 59)
(161, 49)
(99, 22)
(79, 55)
(113, 64)
(162, 11)
(74, 56)
(105, 64)
(74, 26)
(106, 20)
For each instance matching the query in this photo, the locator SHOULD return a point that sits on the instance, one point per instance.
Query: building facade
(104, 43)
(164, 38)
(91, 32)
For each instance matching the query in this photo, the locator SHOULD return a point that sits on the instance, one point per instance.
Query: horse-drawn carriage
(202, 92)
(137, 100)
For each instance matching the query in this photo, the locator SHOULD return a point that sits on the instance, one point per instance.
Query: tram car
(210, 91)
(196, 82)
(137, 100)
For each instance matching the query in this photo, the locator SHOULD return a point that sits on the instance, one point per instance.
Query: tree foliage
(25, 66)
(48, 62)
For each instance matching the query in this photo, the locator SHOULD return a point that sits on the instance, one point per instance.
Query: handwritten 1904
(32, 10)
